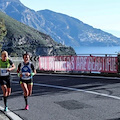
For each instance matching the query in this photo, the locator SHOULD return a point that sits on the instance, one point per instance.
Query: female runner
(6, 65)
(26, 71)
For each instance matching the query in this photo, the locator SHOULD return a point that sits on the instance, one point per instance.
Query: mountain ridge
(62, 28)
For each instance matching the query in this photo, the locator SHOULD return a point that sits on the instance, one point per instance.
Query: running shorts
(5, 80)
(26, 81)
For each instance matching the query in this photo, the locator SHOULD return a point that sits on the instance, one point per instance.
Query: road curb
(11, 115)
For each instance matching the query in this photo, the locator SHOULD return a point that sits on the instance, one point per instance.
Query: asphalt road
(60, 97)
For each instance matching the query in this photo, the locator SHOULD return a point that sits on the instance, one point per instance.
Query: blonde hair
(4, 53)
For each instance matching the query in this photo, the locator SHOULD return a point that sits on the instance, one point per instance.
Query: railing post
(118, 63)
(90, 56)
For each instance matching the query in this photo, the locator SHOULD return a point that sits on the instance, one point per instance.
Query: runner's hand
(27, 74)
(9, 69)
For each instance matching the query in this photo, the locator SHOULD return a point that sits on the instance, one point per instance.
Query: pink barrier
(78, 63)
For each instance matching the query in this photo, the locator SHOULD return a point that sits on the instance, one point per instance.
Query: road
(60, 97)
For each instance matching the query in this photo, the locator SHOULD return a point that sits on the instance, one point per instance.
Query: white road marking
(75, 89)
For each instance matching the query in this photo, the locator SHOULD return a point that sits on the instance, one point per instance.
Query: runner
(6, 65)
(26, 71)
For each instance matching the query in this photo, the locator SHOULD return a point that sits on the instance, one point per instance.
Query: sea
(113, 50)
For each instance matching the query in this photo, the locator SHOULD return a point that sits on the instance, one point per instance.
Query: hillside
(74, 32)
(22, 38)
(62, 28)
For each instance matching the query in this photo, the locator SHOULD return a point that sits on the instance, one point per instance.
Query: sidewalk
(3, 116)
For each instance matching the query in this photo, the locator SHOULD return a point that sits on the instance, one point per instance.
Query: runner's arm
(33, 70)
(13, 66)
(18, 69)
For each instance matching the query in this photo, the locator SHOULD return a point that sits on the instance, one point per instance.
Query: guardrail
(105, 63)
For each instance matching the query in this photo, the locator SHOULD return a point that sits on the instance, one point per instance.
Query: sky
(101, 14)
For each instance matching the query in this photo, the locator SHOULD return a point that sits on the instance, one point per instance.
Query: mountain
(20, 38)
(62, 28)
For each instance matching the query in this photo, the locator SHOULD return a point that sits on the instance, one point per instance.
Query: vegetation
(3, 32)
(22, 38)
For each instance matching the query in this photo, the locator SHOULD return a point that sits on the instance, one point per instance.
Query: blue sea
(97, 50)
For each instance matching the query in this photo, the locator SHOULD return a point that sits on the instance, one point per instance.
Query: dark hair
(26, 53)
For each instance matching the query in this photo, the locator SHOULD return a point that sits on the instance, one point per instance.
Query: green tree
(3, 32)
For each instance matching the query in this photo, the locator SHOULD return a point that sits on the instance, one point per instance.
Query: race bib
(4, 72)
(24, 77)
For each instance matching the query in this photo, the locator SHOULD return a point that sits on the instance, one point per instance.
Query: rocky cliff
(22, 38)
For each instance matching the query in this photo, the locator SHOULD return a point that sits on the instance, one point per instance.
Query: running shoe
(6, 109)
(27, 107)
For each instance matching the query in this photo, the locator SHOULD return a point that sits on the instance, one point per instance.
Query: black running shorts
(5, 80)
